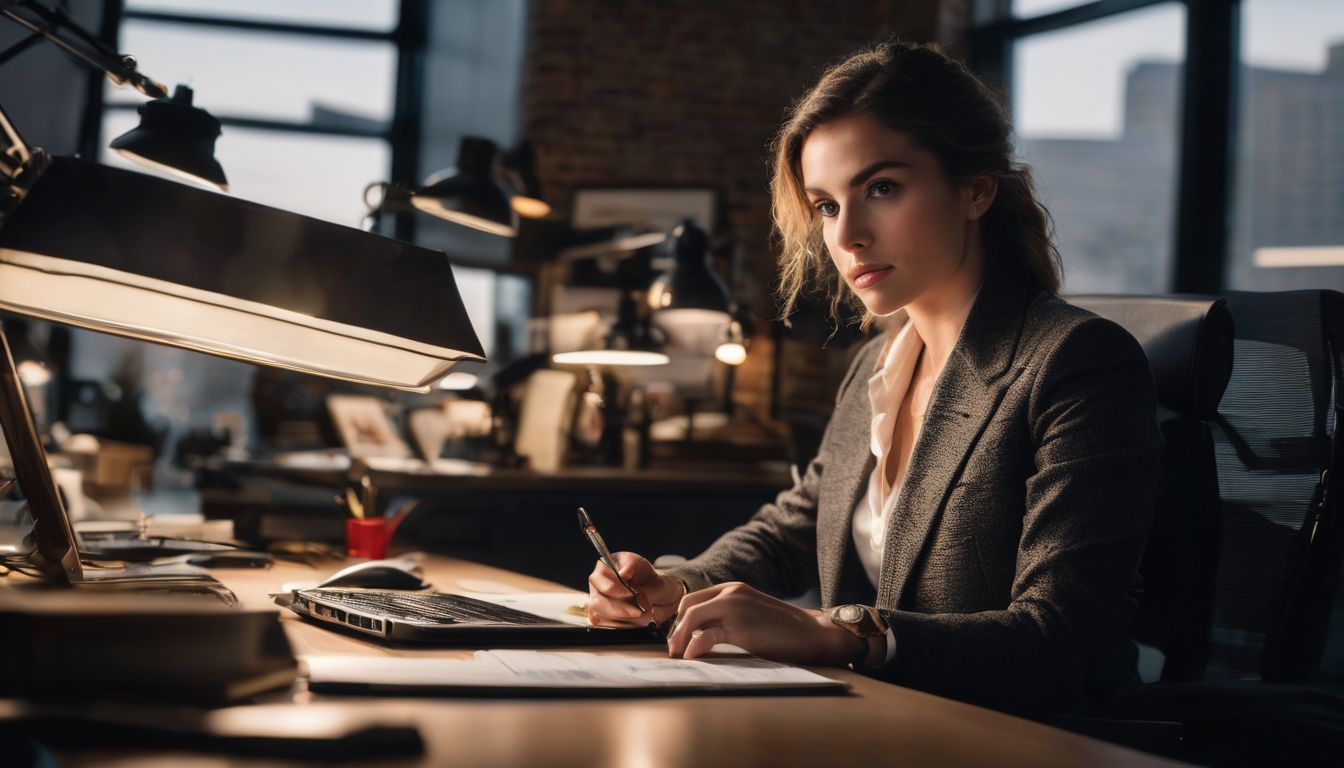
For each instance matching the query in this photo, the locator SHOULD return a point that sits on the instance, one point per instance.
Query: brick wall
(689, 93)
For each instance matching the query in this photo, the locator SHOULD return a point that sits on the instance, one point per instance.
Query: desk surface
(877, 723)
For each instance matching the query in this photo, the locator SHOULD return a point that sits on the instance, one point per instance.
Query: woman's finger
(603, 581)
(604, 610)
(703, 641)
(703, 614)
(692, 599)
(634, 568)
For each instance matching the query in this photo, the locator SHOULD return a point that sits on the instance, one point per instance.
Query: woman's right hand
(610, 604)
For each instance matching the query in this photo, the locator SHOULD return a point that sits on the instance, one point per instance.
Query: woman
(981, 497)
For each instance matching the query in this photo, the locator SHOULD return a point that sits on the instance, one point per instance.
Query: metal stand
(55, 556)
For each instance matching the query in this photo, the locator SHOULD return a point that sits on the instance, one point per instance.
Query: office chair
(1188, 340)
(1246, 614)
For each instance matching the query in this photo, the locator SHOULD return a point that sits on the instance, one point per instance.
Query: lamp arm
(20, 165)
(61, 31)
(51, 528)
(14, 151)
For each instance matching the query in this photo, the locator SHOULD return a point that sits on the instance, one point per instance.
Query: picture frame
(364, 427)
(650, 208)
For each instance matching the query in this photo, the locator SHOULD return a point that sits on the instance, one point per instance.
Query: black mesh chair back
(1274, 437)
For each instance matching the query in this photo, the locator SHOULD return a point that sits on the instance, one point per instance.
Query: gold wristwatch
(866, 623)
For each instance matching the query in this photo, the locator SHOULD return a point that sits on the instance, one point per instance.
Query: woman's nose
(853, 233)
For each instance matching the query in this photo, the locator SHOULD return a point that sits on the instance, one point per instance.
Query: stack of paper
(561, 671)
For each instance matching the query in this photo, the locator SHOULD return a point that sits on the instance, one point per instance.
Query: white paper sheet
(565, 607)
(550, 670)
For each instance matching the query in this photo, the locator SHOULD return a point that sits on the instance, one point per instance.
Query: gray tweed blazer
(1010, 570)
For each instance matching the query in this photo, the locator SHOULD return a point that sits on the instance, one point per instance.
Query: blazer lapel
(965, 396)
(850, 478)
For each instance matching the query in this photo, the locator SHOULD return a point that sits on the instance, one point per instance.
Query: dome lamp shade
(175, 137)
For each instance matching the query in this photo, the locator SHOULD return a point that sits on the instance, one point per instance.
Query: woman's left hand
(760, 624)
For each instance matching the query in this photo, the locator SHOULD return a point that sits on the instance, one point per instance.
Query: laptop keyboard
(424, 607)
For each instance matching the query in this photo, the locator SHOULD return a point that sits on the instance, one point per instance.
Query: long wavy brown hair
(948, 111)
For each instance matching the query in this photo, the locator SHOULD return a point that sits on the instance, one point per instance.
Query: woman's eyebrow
(863, 175)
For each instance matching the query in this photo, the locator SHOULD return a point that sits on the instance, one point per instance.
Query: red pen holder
(368, 536)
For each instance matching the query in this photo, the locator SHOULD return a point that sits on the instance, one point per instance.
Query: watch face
(850, 614)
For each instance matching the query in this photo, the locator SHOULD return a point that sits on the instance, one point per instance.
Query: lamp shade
(519, 166)
(628, 341)
(134, 255)
(468, 193)
(691, 288)
(175, 137)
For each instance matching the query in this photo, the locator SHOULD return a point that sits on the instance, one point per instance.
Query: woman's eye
(881, 188)
(827, 208)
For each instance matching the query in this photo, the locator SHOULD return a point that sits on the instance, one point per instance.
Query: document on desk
(561, 673)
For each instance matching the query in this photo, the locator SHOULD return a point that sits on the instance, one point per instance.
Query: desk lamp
(732, 348)
(173, 135)
(468, 193)
(691, 291)
(519, 168)
(133, 255)
(630, 339)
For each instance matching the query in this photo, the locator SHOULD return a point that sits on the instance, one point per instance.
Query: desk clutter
(73, 645)
(146, 670)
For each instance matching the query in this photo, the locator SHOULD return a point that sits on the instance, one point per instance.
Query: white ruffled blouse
(886, 390)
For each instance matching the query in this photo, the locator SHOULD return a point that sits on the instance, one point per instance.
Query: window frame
(402, 134)
(1207, 123)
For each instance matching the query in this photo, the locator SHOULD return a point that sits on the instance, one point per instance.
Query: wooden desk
(877, 723)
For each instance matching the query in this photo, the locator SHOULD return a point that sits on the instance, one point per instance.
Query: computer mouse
(379, 574)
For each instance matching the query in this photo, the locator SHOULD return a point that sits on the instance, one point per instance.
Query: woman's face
(893, 223)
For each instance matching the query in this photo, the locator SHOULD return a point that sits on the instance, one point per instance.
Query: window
(1288, 179)
(1028, 8)
(1096, 108)
(372, 15)
(1154, 215)
(306, 116)
(306, 91)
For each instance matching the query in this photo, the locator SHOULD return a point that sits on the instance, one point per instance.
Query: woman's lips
(865, 277)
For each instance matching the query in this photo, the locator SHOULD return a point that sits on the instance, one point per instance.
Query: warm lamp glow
(435, 208)
(530, 207)
(169, 170)
(731, 353)
(611, 357)
(33, 373)
(458, 381)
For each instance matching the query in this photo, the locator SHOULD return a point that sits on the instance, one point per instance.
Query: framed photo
(650, 208)
(365, 428)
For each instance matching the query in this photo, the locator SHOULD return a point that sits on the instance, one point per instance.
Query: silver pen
(590, 530)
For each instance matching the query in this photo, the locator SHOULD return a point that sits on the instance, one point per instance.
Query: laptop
(440, 618)
(127, 542)
(52, 548)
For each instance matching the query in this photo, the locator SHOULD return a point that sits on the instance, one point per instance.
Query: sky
(1069, 84)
